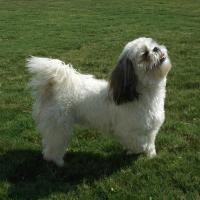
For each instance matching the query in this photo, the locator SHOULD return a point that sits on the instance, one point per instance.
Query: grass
(91, 34)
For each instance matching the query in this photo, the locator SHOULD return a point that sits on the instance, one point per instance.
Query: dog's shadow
(30, 177)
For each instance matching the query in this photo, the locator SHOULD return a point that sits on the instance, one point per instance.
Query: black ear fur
(123, 82)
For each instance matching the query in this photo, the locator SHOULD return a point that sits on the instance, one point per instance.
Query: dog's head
(142, 63)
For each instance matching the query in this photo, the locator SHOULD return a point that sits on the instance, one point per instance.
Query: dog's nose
(156, 49)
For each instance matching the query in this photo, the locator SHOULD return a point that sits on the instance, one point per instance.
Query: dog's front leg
(150, 149)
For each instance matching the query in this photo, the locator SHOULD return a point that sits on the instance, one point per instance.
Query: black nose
(156, 49)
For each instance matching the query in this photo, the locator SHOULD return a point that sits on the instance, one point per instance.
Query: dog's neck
(152, 85)
(153, 94)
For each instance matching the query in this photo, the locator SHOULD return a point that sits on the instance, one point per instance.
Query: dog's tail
(48, 74)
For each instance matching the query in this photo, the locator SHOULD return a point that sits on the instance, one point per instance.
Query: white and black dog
(130, 106)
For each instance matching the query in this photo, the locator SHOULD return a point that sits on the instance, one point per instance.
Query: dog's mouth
(162, 58)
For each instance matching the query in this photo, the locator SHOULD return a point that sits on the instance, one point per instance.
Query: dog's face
(142, 63)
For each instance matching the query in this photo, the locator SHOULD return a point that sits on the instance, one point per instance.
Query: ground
(90, 34)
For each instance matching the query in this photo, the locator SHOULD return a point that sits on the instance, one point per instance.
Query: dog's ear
(123, 82)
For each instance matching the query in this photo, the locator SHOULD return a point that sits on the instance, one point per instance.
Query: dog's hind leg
(55, 133)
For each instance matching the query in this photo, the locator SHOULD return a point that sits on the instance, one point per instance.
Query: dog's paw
(129, 152)
(58, 161)
(151, 153)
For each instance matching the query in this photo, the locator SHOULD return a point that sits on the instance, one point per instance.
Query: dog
(130, 106)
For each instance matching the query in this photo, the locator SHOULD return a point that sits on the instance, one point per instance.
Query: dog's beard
(156, 63)
(156, 60)
(152, 60)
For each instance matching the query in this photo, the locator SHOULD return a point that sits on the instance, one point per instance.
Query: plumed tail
(48, 74)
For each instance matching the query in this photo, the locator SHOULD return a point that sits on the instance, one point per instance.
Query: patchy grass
(90, 34)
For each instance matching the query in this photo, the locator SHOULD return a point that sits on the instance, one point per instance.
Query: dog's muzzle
(162, 58)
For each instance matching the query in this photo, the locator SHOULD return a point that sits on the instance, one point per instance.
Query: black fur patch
(123, 82)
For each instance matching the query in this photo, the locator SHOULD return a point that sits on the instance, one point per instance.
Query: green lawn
(91, 34)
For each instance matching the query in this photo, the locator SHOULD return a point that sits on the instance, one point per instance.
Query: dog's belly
(92, 108)
(94, 116)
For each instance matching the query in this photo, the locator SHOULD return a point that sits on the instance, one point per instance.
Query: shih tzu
(130, 106)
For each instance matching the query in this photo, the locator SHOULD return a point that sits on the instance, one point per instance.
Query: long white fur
(64, 96)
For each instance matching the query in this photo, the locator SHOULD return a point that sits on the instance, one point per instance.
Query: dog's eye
(145, 54)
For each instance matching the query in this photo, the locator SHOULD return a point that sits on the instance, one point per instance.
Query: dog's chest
(152, 109)
(140, 116)
(154, 116)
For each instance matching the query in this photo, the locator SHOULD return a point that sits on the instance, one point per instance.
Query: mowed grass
(91, 34)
